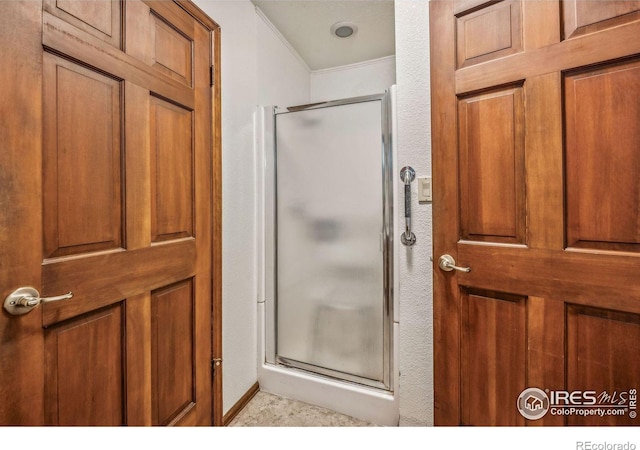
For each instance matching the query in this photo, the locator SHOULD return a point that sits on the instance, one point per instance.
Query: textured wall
(282, 78)
(354, 80)
(244, 37)
(242, 90)
(414, 149)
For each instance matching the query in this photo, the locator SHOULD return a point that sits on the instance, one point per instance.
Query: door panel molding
(172, 171)
(475, 45)
(484, 153)
(582, 17)
(100, 19)
(601, 346)
(493, 357)
(602, 195)
(172, 345)
(81, 148)
(85, 370)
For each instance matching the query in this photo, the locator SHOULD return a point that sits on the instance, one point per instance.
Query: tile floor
(267, 410)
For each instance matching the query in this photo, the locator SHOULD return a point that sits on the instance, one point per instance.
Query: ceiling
(306, 25)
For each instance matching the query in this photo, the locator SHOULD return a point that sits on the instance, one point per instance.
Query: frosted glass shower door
(331, 241)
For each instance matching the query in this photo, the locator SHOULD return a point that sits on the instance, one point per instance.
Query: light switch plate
(424, 189)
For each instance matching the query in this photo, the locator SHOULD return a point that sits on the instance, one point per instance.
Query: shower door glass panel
(329, 249)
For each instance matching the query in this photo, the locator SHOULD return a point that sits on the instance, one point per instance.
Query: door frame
(216, 207)
(216, 319)
(216, 219)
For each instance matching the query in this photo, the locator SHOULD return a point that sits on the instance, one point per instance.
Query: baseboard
(240, 404)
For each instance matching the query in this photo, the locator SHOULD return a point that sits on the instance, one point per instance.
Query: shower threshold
(335, 375)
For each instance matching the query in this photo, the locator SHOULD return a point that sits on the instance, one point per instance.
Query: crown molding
(279, 35)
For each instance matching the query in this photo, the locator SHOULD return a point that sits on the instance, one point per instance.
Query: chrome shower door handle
(448, 264)
(24, 299)
(407, 175)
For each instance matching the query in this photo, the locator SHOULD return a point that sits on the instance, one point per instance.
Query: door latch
(24, 299)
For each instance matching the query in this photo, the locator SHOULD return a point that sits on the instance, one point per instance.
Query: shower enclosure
(329, 240)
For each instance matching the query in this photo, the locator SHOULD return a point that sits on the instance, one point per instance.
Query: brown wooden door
(536, 162)
(107, 172)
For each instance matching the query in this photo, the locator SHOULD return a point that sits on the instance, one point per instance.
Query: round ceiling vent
(344, 29)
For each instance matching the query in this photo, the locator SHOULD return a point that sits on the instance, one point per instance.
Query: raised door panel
(172, 51)
(488, 32)
(100, 18)
(81, 159)
(602, 117)
(172, 349)
(85, 371)
(493, 357)
(172, 171)
(581, 17)
(492, 190)
(602, 357)
(164, 39)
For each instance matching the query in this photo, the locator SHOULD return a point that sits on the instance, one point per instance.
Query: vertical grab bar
(407, 175)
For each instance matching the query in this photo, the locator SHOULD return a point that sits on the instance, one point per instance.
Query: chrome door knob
(448, 264)
(24, 299)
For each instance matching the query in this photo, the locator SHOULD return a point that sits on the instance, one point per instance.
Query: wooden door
(536, 162)
(110, 190)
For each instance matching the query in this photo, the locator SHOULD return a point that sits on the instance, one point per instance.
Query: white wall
(283, 77)
(414, 149)
(353, 80)
(257, 68)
